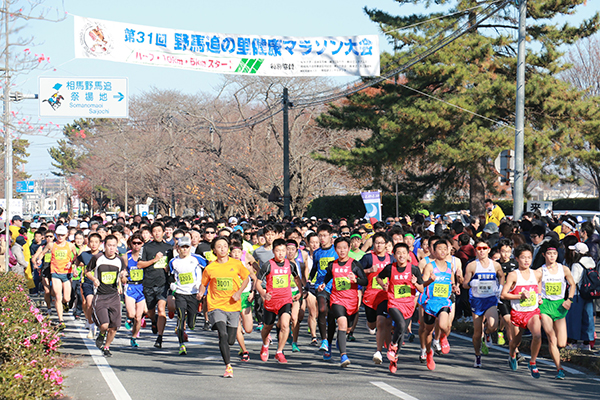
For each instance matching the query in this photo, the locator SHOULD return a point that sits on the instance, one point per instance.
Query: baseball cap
(62, 230)
(580, 248)
(35, 225)
(73, 223)
(490, 228)
(84, 225)
(233, 221)
(184, 241)
(17, 218)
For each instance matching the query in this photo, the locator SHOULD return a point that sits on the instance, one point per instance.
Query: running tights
(400, 326)
(227, 336)
(341, 334)
(322, 320)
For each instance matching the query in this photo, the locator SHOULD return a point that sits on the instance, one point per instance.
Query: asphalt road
(147, 373)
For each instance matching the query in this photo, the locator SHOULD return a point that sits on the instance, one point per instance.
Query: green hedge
(28, 345)
(352, 206)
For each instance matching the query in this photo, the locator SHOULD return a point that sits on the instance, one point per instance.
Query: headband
(409, 234)
(356, 235)
(569, 225)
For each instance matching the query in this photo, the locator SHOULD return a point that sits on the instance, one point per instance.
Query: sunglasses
(483, 248)
(49, 236)
(210, 232)
(137, 243)
(345, 233)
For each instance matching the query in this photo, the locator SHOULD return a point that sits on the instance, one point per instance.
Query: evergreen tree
(448, 117)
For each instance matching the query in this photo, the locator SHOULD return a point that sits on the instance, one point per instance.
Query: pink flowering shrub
(28, 345)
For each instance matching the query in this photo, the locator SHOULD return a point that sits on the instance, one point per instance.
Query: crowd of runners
(240, 274)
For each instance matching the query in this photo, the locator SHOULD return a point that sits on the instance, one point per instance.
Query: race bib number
(280, 281)
(186, 278)
(224, 284)
(136, 275)
(553, 288)
(401, 291)
(47, 257)
(531, 301)
(342, 283)
(323, 262)
(60, 254)
(161, 264)
(376, 285)
(441, 290)
(109, 277)
(486, 287)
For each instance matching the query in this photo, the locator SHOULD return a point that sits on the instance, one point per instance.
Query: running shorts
(136, 292)
(554, 309)
(269, 316)
(521, 319)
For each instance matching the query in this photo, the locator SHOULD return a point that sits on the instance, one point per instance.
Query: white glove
(474, 283)
(173, 286)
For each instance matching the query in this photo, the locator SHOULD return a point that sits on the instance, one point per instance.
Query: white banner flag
(227, 54)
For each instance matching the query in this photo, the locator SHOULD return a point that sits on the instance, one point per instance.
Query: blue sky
(263, 17)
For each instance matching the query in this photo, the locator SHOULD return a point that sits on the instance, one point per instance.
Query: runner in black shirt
(155, 263)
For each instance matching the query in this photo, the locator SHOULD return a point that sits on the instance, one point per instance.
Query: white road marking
(104, 367)
(393, 391)
(541, 360)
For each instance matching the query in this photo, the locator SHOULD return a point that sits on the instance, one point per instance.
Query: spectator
(491, 234)
(493, 213)
(580, 319)
(17, 251)
(590, 238)
(465, 253)
(538, 237)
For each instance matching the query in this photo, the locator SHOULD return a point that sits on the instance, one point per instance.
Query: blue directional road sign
(25, 186)
(91, 97)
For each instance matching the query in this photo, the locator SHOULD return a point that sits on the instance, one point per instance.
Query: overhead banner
(227, 54)
(372, 202)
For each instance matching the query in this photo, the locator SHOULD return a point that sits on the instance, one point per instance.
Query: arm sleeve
(265, 269)
(294, 269)
(366, 261)
(328, 273)
(92, 265)
(144, 254)
(417, 272)
(386, 272)
(358, 270)
(313, 271)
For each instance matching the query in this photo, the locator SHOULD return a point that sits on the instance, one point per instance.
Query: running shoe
(393, 366)
(290, 339)
(351, 337)
(182, 350)
(436, 347)
(143, 322)
(314, 342)
(512, 363)
(185, 337)
(90, 334)
(561, 374)
(154, 327)
(344, 361)
(484, 349)
(280, 358)
(100, 340)
(66, 307)
(61, 326)
(228, 372)
(206, 327)
(392, 350)
(128, 324)
(520, 358)
(106, 352)
(324, 345)
(372, 331)
(445, 344)
(411, 337)
(295, 348)
(535, 372)
(477, 363)
(488, 340)
(430, 362)
(245, 356)
(171, 314)
(264, 353)
(327, 355)
(501, 340)
(158, 343)
(423, 357)
(377, 357)
(259, 328)
(133, 342)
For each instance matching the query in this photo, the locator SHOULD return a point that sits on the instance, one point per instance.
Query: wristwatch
(570, 298)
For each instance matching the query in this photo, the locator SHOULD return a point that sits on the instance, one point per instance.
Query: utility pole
(286, 154)
(7, 139)
(520, 117)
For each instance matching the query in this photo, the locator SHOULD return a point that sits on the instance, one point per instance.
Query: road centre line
(393, 391)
